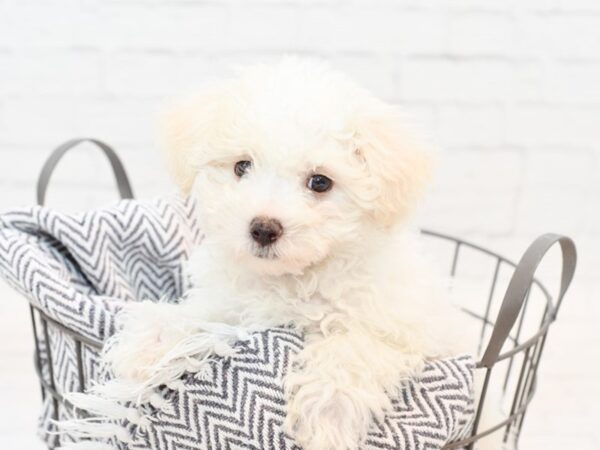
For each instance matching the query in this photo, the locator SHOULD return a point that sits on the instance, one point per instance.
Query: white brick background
(508, 89)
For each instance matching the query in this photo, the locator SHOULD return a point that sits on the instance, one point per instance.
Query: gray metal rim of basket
(510, 316)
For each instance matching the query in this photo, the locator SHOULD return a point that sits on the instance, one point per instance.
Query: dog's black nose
(265, 230)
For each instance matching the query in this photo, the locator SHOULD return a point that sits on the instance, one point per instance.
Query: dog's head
(292, 163)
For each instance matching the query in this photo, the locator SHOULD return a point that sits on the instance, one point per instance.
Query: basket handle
(519, 285)
(123, 184)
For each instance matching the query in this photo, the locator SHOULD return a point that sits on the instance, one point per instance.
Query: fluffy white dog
(305, 182)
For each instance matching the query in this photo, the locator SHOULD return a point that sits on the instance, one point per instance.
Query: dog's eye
(242, 167)
(319, 183)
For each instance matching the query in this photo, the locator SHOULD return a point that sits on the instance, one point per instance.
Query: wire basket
(514, 324)
(513, 320)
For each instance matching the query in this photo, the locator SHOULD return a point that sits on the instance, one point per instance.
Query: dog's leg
(157, 342)
(341, 383)
(147, 331)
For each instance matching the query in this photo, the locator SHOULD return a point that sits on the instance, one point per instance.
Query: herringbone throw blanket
(79, 269)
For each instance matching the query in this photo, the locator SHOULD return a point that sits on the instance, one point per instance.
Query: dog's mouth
(267, 252)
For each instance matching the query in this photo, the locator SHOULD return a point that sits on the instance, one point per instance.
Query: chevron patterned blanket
(80, 269)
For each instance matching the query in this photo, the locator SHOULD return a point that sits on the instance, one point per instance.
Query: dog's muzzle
(265, 230)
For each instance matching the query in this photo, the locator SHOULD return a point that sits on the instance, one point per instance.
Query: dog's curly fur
(346, 269)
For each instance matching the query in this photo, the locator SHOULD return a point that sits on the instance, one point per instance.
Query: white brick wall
(510, 90)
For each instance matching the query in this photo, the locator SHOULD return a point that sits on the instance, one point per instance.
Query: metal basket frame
(511, 316)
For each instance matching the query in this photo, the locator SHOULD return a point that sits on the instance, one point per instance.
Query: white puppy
(304, 182)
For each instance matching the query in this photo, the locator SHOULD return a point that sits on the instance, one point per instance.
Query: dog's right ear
(176, 142)
(187, 130)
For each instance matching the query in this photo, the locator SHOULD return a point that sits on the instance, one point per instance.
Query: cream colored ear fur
(398, 163)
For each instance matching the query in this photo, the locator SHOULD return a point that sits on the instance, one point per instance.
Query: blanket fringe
(87, 445)
(99, 406)
(94, 428)
(118, 400)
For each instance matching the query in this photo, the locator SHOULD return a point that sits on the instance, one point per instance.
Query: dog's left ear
(397, 163)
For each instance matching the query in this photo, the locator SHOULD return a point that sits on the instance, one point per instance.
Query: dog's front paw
(324, 417)
(148, 332)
